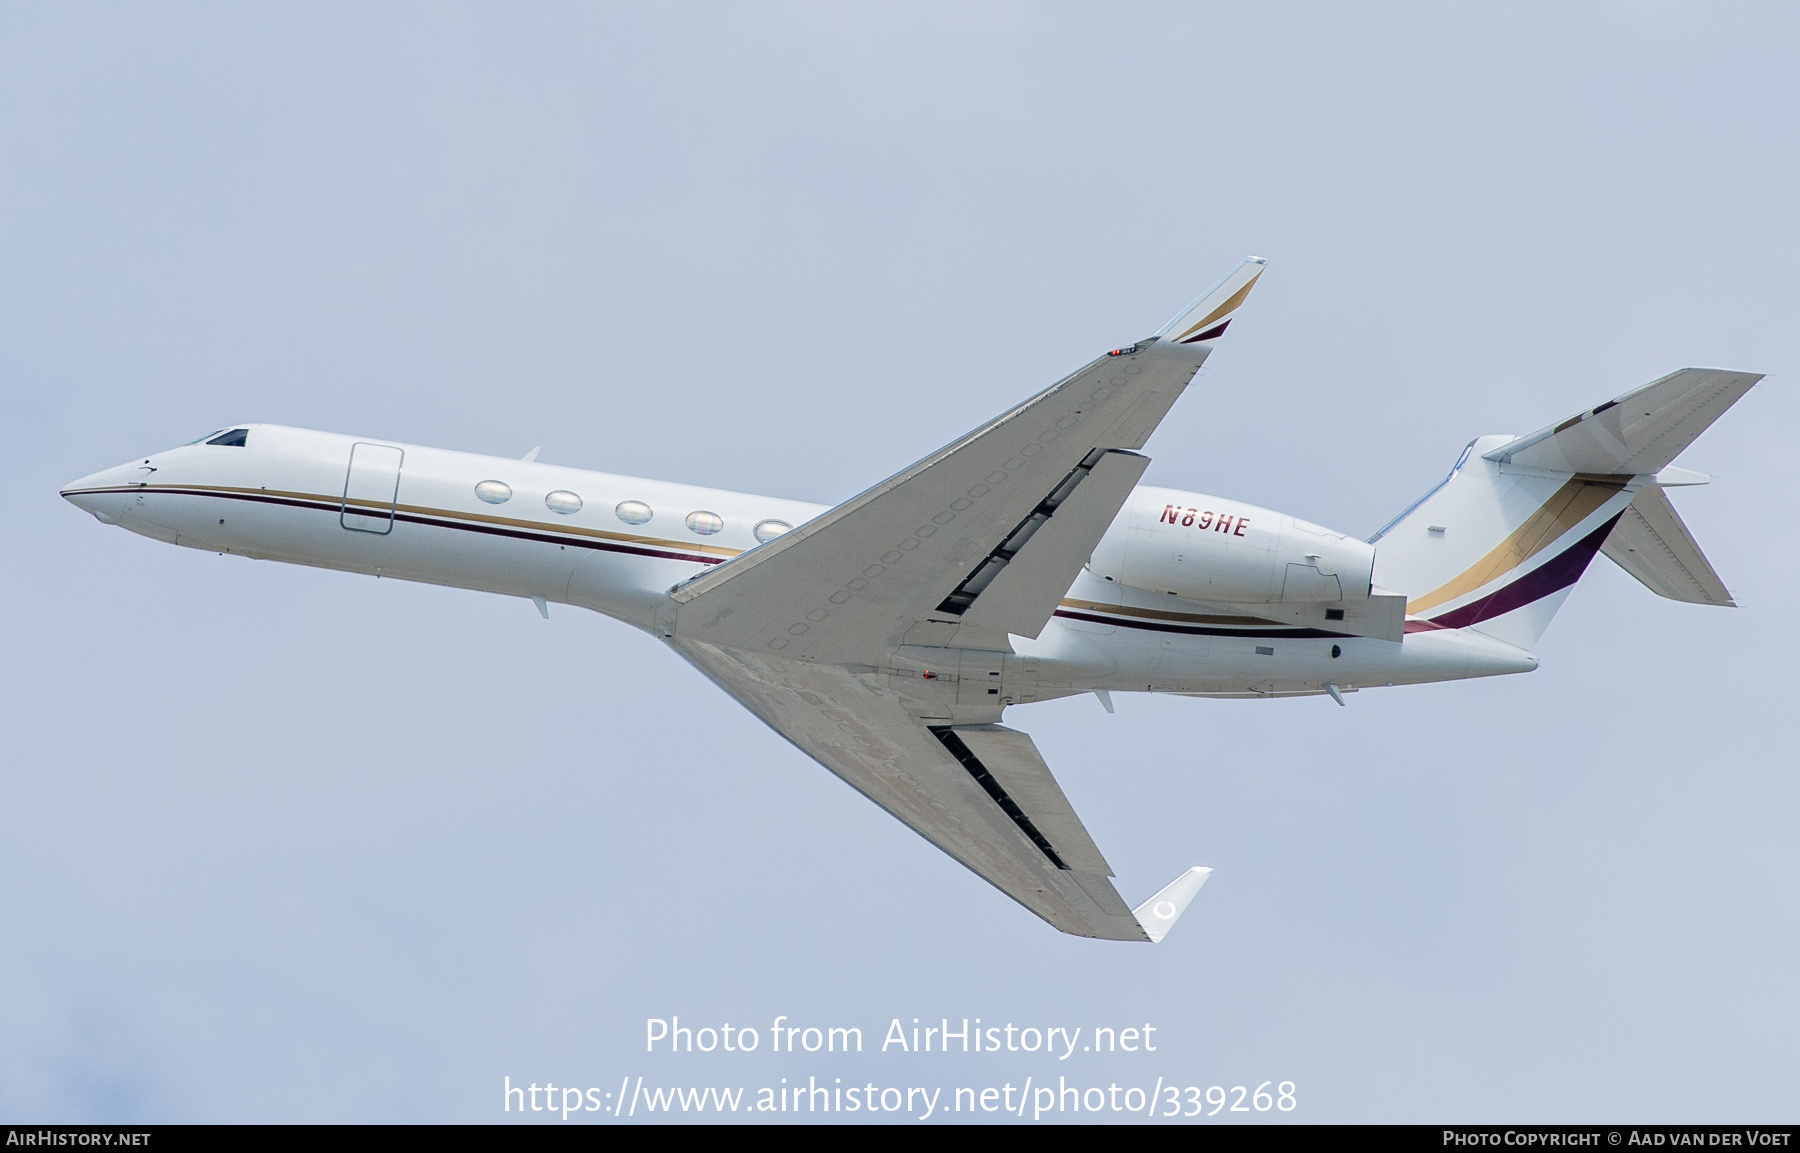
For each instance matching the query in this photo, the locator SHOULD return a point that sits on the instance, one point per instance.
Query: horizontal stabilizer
(1635, 433)
(1159, 914)
(1652, 544)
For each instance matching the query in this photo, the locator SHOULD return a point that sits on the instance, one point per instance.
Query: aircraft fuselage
(534, 530)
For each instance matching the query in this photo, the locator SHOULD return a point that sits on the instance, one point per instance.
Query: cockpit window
(208, 436)
(235, 438)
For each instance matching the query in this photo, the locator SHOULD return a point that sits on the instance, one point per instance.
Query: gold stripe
(1571, 504)
(1158, 615)
(1236, 299)
(482, 518)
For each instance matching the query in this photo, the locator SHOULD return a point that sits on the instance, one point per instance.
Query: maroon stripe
(547, 538)
(1553, 576)
(1209, 334)
(414, 518)
(1201, 630)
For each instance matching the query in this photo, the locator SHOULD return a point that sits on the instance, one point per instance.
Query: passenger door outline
(371, 488)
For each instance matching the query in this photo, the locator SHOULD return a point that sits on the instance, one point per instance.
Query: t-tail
(1498, 544)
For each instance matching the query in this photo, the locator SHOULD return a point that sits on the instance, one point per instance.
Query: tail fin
(1497, 545)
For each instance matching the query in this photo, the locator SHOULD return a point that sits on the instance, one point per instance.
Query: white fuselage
(413, 513)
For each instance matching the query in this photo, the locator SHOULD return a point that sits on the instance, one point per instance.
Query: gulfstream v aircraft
(886, 636)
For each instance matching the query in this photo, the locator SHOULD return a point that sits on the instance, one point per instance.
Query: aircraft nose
(100, 493)
(75, 493)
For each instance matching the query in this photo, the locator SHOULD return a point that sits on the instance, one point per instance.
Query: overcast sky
(283, 844)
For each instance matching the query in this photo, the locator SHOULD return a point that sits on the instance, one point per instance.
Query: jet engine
(1250, 561)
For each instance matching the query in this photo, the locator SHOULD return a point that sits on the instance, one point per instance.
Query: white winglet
(1159, 913)
(1204, 321)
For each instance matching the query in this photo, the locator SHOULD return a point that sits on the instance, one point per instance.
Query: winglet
(1159, 913)
(1206, 318)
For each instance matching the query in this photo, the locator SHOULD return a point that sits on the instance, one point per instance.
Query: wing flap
(864, 733)
(1652, 544)
(1013, 758)
(1030, 583)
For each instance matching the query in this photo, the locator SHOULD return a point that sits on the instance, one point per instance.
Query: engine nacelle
(1225, 552)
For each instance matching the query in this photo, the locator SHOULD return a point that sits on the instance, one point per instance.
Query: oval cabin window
(633, 511)
(494, 491)
(705, 523)
(562, 501)
(768, 530)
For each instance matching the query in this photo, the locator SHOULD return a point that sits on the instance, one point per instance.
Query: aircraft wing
(979, 539)
(981, 792)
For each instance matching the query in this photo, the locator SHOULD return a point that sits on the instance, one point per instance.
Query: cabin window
(1265, 650)
(768, 530)
(494, 491)
(633, 511)
(562, 502)
(704, 523)
(234, 439)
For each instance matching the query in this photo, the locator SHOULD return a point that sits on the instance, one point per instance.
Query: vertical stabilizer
(1497, 550)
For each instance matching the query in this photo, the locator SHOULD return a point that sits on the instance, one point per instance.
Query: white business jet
(886, 636)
